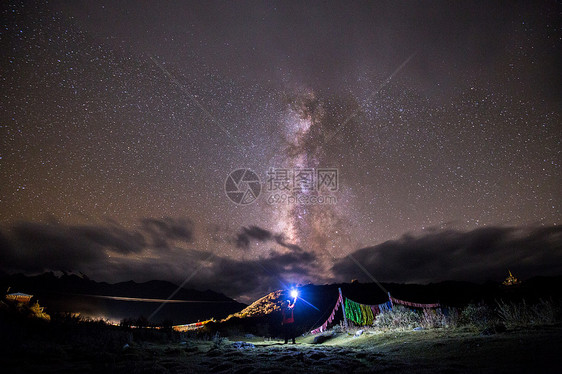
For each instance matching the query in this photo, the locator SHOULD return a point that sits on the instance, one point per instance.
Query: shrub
(338, 328)
(218, 340)
(522, 314)
(398, 317)
(477, 315)
(452, 317)
(433, 318)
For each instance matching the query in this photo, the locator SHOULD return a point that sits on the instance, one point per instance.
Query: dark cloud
(280, 239)
(258, 276)
(162, 231)
(36, 247)
(116, 239)
(31, 246)
(476, 255)
(253, 232)
(236, 277)
(6, 250)
(105, 253)
(243, 238)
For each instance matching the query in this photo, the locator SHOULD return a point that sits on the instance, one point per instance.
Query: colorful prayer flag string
(414, 305)
(363, 314)
(324, 326)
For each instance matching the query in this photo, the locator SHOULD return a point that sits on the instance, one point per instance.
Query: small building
(19, 297)
(510, 280)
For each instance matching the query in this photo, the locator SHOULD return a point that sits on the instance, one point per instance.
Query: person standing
(288, 322)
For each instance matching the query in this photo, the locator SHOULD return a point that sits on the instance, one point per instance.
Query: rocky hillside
(266, 305)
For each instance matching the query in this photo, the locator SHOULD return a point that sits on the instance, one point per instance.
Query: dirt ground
(537, 350)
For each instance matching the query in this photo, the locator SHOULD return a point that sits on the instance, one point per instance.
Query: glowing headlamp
(294, 294)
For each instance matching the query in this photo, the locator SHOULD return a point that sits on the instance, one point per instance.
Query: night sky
(121, 121)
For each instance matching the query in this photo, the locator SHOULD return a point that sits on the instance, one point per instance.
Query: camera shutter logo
(242, 186)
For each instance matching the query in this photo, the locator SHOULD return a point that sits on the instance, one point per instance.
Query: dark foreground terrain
(529, 350)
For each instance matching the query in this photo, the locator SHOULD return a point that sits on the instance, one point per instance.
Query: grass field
(529, 350)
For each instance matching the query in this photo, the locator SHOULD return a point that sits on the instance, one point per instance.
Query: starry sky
(121, 121)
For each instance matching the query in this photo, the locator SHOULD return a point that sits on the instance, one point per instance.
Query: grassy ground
(529, 350)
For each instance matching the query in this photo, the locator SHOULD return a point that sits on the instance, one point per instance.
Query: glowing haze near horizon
(121, 121)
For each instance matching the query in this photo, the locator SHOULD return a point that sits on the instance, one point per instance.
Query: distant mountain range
(75, 293)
